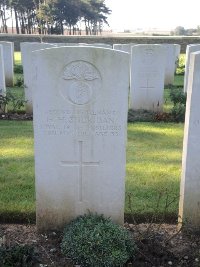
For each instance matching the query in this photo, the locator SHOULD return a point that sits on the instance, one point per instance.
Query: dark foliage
(17, 256)
(92, 240)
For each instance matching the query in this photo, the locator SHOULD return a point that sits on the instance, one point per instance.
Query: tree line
(53, 16)
(180, 30)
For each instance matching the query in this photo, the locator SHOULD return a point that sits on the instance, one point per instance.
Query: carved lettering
(73, 123)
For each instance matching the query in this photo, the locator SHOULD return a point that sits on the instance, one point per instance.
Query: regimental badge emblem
(83, 82)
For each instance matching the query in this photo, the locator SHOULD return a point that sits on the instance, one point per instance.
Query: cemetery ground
(153, 171)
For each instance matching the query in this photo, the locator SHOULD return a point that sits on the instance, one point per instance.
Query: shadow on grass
(30, 218)
(148, 217)
(17, 217)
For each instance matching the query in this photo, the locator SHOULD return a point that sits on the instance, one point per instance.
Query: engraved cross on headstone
(147, 86)
(80, 164)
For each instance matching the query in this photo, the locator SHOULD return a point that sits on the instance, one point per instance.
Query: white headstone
(190, 49)
(63, 44)
(123, 47)
(172, 55)
(100, 45)
(2, 73)
(147, 77)
(80, 114)
(26, 49)
(189, 206)
(8, 54)
(27, 61)
(178, 50)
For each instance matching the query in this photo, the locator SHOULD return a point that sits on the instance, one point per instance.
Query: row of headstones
(6, 66)
(150, 67)
(80, 125)
(80, 111)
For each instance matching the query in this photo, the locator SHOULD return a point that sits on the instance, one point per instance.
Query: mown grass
(153, 165)
(16, 170)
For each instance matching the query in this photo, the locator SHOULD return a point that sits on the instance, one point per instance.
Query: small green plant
(140, 115)
(3, 103)
(18, 69)
(15, 103)
(17, 256)
(93, 240)
(180, 70)
(19, 82)
(178, 112)
(178, 98)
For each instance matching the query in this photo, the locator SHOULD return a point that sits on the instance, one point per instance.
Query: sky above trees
(131, 14)
(53, 16)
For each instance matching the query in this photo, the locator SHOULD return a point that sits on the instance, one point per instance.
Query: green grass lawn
(17, 58)
(153, 165)
(16, 170)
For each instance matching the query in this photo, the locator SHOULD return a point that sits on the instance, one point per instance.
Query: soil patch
(16, 116)
(158, 245)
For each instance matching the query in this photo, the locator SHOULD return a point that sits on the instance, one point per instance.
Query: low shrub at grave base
(19, 81)
(150, 116)
(15, 104)
(93, 240)
(18, 255)
(18, 69)
(176, 113)
(180, 70)
(178, 98)
(140, 115)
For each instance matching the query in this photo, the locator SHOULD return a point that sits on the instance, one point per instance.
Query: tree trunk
(16, 21)
(22, 25)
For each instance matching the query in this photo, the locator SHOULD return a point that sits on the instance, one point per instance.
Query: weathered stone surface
(172, 55)
(123, 47)
(80, 117)
(189, 206)
(26, 54)
(2, 73)
(190, 49)
(147, 77)
(26, 50)
(100, 45)
(8, 54)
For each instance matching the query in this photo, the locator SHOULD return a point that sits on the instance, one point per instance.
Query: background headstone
(27, 61)
(8, 54)
(26, 49)
(189, 206)
(2, 73)
(190, 49)
(100, 45)
(147, 77)
(80, 118)
(172, 55)
(123, 47)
